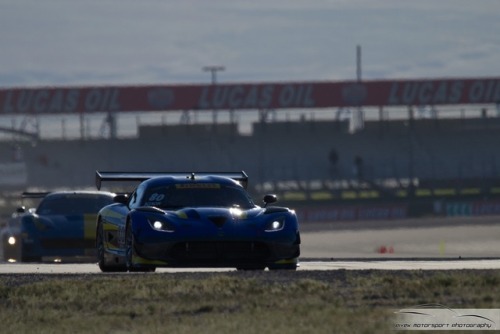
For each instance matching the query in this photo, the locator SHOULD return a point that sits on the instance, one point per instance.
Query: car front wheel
(101, 261)
(130, 251)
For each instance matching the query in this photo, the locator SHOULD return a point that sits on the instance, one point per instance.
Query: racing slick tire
(28, 258)
(251, 267)
(101, 253)
(25, 258)
(283, 267)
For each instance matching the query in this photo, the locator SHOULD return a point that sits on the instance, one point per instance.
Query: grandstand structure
(412, 149)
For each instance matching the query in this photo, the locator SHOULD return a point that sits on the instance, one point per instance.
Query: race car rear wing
(100, 176)
(30, 194)
(34, 194)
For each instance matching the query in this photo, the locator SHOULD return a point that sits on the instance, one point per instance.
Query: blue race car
(193, 220)
(61, 228)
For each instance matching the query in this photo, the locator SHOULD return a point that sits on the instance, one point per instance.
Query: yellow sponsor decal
(181, 214)
(197, 186)
(139, 260)
(111, 227)
(287, 261)
(111, 213)
(89, 223)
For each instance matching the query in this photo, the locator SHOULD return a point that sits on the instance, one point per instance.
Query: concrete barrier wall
(287, 150)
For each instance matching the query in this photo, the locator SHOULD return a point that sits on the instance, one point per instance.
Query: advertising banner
(242, 96)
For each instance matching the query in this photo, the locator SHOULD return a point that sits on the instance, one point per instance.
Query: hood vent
(218, 220)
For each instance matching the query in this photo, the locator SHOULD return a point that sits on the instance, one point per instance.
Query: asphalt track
(410, 244)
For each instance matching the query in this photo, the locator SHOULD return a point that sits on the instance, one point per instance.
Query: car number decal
(155, 199)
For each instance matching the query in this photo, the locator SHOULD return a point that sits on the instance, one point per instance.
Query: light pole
(213, 70)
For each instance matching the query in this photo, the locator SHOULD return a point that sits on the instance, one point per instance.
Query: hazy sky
(75, 42)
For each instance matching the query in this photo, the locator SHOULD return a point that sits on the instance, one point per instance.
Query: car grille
(218, 220)
(220, 251)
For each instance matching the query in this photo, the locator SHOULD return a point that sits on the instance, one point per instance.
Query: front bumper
(217, 253)
(49, 250)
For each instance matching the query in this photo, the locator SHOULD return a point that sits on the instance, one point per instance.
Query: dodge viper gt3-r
(62, 227)
(193, 220)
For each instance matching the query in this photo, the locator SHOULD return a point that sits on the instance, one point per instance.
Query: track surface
(428, 244)
(90, 268)
(437, 238)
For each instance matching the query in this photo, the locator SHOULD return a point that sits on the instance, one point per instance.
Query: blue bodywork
(62, 227)
(194, 221)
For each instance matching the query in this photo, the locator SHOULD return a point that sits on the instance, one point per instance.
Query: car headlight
(275, 225)
(161, 225)
(11, 241)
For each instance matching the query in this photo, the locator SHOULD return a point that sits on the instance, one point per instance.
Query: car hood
(215, 213)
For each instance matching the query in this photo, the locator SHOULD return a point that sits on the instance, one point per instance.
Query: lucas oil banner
(241, 96)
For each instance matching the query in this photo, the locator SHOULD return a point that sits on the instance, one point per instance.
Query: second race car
(62, 227)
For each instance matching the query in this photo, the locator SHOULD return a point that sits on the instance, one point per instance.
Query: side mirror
(121, 198)
(270, 198)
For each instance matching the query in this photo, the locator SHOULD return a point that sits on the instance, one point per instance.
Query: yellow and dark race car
(61, 227)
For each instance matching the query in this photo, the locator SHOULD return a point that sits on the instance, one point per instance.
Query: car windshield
(197, 195)
(72, 204)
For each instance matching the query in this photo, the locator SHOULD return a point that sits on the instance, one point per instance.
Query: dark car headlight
(161, 225)
(11, 240)
(275, 225)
